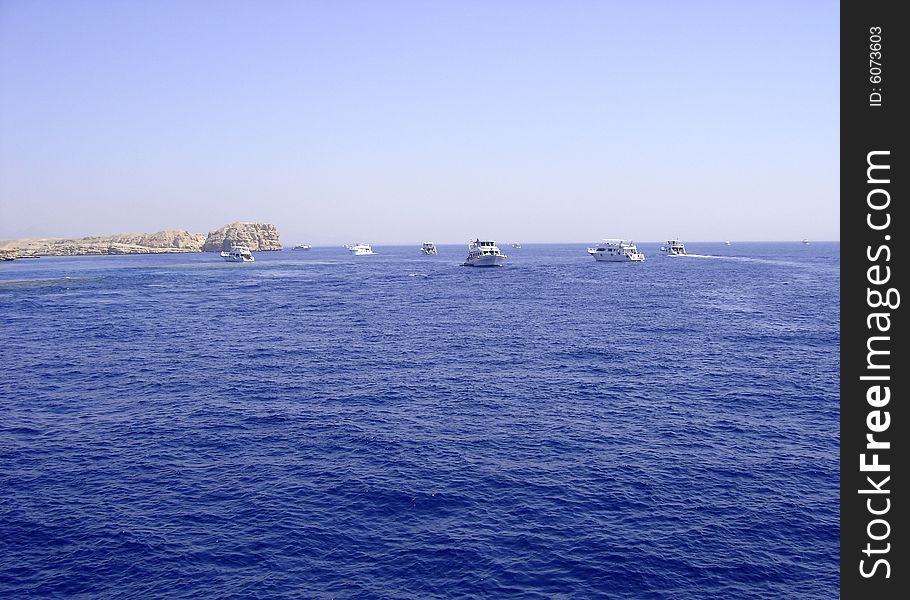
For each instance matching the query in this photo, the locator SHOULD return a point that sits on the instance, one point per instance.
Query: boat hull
(485, 261)
(605, 257)
(360, 249)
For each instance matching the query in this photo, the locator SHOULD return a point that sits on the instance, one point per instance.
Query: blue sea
(318, 425)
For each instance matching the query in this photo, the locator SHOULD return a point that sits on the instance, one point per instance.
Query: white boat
(727, 243)
(238, 254)
(615, 250)
(674, 248)
(484, 254)
(361, 249)
(429, 248)
(806, 242)
(516, 245)
(302, 247)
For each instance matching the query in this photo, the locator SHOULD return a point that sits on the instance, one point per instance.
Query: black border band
(873, 270)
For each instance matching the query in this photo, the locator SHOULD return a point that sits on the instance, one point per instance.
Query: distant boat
(516, 245)
(302, 247)
(361, 249)
(238, 254)
(674, 248)
(727, 243)
(429, 248)
(484, 254)
(806, 242)
(615, 250)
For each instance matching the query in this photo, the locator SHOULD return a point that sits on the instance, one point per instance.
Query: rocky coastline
(255, 236)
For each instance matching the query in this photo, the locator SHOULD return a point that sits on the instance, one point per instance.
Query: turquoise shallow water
(398, 426)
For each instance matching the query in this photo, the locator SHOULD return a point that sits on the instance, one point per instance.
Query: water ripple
(406, 428)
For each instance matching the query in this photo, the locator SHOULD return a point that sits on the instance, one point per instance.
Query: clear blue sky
(401, 121)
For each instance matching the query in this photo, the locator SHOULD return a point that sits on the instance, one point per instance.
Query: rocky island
(255, 236)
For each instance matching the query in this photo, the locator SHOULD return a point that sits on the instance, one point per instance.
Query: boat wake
(747, 259)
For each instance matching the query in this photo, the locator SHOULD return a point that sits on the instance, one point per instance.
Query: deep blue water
(397, 426)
